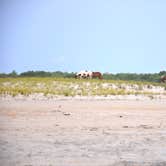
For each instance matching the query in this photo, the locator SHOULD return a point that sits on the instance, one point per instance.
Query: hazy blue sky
(71, 35)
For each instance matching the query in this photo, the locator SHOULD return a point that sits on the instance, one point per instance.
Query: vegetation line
(73, 87)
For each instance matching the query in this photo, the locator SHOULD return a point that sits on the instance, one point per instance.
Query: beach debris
(145, 127)
(93, 129)
(66, 113)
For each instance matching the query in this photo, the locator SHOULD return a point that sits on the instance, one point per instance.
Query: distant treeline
(151, 77)
(38, 74)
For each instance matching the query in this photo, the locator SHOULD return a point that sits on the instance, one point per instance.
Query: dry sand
(82, 133)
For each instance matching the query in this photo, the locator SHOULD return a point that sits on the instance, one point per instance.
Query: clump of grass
(67, 93)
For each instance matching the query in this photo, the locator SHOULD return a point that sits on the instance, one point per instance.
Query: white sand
(82, 133)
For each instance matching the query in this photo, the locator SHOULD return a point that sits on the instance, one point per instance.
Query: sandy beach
(82, 132)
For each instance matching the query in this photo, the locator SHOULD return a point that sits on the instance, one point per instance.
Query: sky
(115, 36)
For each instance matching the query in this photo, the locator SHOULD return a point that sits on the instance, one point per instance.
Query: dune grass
(72, 87)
